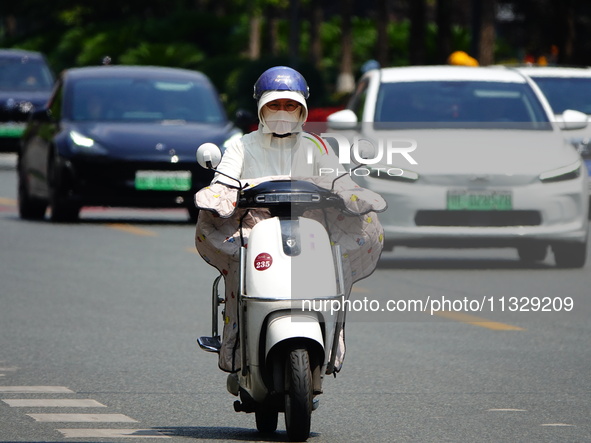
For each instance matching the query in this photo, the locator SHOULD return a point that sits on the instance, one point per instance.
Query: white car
(567, 88)
(470, 157)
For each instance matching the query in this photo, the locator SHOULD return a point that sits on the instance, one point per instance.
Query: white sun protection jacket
(260, 155)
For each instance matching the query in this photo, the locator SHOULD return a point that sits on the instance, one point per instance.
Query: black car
(119, 136)
(25, 84)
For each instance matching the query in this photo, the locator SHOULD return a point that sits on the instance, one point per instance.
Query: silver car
(470, 157)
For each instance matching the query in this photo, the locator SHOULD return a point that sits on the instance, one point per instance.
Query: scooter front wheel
(298, 395)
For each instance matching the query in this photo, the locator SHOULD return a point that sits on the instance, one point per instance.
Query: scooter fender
(284, 326)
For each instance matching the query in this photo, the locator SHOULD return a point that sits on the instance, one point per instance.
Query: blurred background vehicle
(492, 168)
(567, 88)
(25, 84)
(119, 136)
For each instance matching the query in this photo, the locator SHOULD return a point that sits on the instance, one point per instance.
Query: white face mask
(281, 122)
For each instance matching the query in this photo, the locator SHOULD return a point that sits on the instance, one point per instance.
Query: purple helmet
(281, 78)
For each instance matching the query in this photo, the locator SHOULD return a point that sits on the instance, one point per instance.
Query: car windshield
(143, 100)
(566, 93)
(463, 104)
(24, 74)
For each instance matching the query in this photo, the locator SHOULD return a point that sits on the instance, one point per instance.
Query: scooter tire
(266, 420)
(298, 395)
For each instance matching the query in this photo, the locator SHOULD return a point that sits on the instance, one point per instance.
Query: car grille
(478, 218)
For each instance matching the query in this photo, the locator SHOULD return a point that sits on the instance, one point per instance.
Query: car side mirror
(572, 119)
(345, 119)
(209, 155)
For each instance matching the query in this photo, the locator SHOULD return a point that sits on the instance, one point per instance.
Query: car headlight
(85, 145)
(392, 173)
(569, 172)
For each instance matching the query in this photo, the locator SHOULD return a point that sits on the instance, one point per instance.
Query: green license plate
(479, 200)
(163, 180)
(12, 130)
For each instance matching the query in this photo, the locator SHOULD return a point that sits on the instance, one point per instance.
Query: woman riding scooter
(280, 148)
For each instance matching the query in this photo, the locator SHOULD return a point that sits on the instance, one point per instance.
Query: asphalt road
(104, 314)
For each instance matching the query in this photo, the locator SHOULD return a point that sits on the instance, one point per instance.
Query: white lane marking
(83, 418)
(8, 368)
(112, 433)
(507, 410)
(36, 389)
(556, 424)
(52, 402)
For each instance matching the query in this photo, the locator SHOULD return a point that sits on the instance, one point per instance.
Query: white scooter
(286, 348)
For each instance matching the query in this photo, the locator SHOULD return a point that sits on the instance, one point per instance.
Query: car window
(566, 93)
(24, 74)
(128, 99)
(460, 103)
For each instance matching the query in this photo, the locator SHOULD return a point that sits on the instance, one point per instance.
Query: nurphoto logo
(367, 152)
(363, 149)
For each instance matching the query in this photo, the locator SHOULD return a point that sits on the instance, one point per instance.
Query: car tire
(532, 253)
(29, 208)
(570, 255)
(62, 210)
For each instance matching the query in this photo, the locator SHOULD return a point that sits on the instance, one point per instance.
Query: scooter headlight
(296, 197)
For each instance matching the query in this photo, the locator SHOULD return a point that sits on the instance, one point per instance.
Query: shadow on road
(165, 217)
(458, 263)
(224, 433)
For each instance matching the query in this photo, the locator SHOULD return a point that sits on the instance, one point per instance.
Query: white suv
(483, 162)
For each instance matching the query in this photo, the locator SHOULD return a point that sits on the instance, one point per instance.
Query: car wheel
(29, 208)
(570, 255)
(532, 253)
(62, 210)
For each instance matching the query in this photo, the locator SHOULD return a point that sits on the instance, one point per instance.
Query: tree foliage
(233, 40)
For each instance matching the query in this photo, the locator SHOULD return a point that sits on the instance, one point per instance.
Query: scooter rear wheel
(266, 420)
(298, 395)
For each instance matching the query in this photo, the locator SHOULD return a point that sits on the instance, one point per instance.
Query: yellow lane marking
(7, 201)
(477, 321)
(362, 290)
(131, 229)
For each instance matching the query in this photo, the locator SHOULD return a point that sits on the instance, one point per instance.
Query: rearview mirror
(345, 119)
(572, 119)
(209, 155)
